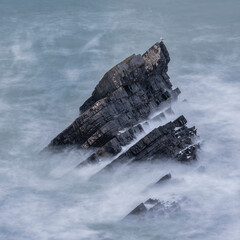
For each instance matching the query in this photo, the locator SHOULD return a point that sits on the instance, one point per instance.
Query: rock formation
(164, 178)
(135, 91)
(154, 208)
(125, 97)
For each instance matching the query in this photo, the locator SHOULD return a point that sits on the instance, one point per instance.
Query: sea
(52, 55)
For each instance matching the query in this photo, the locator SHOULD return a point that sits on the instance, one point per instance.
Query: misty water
(52, 54)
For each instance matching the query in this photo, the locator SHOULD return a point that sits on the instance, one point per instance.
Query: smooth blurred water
(52, 54)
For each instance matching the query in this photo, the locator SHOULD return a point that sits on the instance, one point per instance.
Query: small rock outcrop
(164, 178)
(141, 209)
(173, 140)
(153, 208)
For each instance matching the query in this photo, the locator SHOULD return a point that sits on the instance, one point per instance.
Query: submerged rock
(132, 94)
(139, 210)
(164, 178)
(154, 208)
(173, 140)
(126, 94)
(114, 146)
(151, 201)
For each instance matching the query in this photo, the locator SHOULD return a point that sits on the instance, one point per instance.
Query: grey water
(52, 54)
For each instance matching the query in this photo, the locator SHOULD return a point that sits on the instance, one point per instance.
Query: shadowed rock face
(173, 140)
(134, 69)
(126, 96)
(139, 210)
(114, 146)
(153, 208)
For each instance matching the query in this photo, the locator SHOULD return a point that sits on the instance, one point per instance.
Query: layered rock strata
(173, 140)
(126, 96)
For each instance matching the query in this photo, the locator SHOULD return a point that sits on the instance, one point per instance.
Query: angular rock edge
(153, 208)
(126, 96)
(173, 140)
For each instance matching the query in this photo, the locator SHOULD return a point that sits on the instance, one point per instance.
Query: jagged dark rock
(126, 96)
(164, 178)
(151, 201)
(173, 140)
(153, 208)
(139, 210)
(114, 146)
(162, 208)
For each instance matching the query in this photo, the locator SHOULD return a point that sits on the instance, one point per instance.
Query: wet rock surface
(114, 146)
(129, 95)
(139, 210)
(164, 179)
(126, 96)
(173, 140)
(154, 208)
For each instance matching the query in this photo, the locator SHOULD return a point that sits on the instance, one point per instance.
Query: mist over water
(52, 54)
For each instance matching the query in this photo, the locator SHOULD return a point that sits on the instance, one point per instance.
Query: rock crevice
(125, 97)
